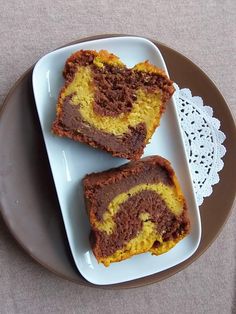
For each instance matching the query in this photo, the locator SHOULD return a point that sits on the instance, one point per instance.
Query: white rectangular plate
(71, 161)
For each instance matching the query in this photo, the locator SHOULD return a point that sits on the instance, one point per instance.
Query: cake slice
(109, 106)
(136, 208)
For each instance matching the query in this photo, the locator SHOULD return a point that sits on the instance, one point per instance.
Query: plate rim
(133, 284)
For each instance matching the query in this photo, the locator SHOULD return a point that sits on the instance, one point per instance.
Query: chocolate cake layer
(116, 88)
(84, 58)
(71, 124)
(128, 223)
(120, 180)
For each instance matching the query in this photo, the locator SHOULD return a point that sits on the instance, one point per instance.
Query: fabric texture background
(204, 31)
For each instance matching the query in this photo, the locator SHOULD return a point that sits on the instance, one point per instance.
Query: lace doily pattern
(203, 141)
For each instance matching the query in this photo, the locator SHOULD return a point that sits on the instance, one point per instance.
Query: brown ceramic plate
(28, 198)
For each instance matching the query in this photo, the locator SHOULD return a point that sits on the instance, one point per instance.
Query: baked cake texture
(136, 208)
(109, 106)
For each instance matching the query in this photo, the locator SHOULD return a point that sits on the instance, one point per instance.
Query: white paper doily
(203, 141)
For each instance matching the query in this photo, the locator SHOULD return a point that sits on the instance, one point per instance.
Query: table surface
(205, 33)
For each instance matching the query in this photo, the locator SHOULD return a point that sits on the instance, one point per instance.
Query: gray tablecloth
(206, 33)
